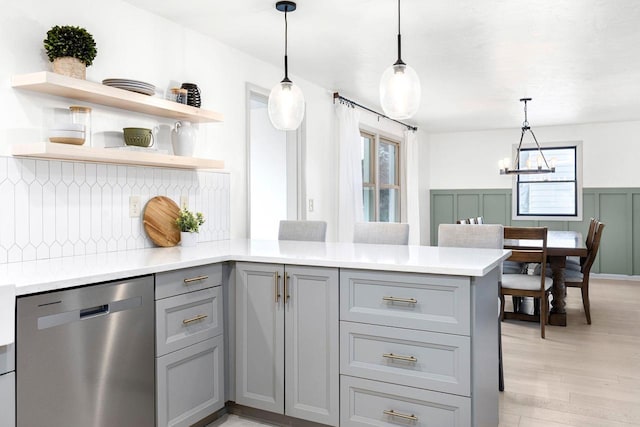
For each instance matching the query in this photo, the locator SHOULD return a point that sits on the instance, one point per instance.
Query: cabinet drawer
(187, 319)
(191, 279)
(370, 403)
(421, 359)
(414, 301)
(190, 383)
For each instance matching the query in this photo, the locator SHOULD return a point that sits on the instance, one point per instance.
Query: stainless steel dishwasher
(85, 356)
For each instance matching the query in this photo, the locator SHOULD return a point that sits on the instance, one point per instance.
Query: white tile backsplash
(52, 208)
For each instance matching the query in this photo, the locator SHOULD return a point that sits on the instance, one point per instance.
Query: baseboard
(615, 277)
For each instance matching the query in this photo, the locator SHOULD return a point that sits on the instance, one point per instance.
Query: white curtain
(410, 158)
(350, 207)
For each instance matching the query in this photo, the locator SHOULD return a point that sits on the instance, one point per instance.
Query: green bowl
(140, 137)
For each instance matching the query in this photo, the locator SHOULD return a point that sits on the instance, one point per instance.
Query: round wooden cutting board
(159, 221)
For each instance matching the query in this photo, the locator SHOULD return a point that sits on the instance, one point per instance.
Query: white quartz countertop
(46, 275)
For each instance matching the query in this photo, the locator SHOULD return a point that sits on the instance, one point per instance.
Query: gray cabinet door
(190, 383)
(260, 336)
(311, 344)
(8, 399)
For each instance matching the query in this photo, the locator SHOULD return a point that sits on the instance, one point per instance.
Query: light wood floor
(580, 375)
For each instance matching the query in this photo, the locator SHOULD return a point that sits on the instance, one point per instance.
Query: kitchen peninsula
(439, 302)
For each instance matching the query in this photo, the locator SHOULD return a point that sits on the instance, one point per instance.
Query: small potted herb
(189, 225)
(70, 49)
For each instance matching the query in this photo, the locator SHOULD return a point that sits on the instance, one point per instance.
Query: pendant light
(400, 87)
(286, 102)
(540, 166)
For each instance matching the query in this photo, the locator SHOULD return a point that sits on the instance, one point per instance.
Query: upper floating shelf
(97, 93)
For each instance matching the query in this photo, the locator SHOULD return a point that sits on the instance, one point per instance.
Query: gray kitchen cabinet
(287, 358)
(189, 345)
(418, 348)
(7, 386)
(190, 383)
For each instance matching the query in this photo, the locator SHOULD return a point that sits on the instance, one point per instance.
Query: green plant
(71, 41)
(189, 222)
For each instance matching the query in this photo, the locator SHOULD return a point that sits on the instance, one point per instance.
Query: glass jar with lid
(82, 115)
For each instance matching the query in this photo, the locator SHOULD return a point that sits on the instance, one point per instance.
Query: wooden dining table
(560, 245)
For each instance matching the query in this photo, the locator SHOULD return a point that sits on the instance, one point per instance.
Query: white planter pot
(188, 239)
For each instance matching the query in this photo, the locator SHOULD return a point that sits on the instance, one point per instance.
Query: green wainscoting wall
(618, 208)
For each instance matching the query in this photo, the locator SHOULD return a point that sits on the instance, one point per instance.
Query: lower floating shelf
(48, 150)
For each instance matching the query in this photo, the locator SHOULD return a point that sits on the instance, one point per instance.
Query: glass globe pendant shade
(400, 91)
(286, 106)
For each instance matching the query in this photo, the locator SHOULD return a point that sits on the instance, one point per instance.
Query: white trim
(579, 168)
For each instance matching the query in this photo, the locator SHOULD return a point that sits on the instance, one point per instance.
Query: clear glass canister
(82, 115)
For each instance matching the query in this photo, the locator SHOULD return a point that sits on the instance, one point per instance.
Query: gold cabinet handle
(276, 282)
(194, 319)
(400, 357)
(286, 288)
(195, 279)
(400, 415)
(396, 299)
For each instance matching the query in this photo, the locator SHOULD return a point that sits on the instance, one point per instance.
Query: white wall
(470, 159)
(135, 44)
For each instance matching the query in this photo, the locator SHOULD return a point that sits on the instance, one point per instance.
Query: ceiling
(578, 59)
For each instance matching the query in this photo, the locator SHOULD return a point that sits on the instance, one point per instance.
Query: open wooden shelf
(49, 150)
(97, 93)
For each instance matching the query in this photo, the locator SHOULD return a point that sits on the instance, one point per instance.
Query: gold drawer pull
(400, 415)
(194, 319)
(395, 299)
(276, 281)
(286, 288)
(195, 279)
(399, 357)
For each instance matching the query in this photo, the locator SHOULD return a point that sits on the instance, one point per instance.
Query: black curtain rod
(336, 95)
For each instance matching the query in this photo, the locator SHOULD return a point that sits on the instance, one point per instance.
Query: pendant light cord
(399, 61)
(286, 58)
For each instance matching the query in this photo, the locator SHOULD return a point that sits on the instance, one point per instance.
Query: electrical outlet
(134, 206)
(310, 205)
(184, 202)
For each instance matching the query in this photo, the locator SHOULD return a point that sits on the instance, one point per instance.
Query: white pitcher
(183, 139)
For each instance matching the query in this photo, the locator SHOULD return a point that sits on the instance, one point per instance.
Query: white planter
(188, 239)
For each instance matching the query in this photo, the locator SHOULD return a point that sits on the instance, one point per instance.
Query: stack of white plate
(131, 85)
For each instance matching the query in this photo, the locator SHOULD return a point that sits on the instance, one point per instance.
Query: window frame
(376, 137)
(577, 145)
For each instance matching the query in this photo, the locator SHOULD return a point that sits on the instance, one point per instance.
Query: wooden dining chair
(575, 262)
(580, 279)
(488, 236)
(531, 247)
(310, 231)
(381, 233)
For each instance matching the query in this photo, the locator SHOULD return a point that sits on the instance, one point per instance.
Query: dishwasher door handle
(94, 311)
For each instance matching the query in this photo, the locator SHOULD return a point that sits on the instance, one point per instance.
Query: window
(380, 178)
(550, 196)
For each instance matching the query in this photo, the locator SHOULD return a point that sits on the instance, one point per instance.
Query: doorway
(274, 170)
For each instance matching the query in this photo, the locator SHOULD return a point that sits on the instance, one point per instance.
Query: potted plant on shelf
(189, 225)
(70, 49)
